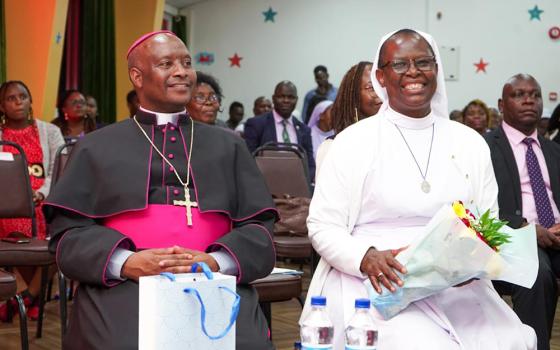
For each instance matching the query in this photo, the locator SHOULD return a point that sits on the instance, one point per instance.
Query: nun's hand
(380, 266)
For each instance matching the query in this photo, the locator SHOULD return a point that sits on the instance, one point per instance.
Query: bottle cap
(319, 300)
(362, 303)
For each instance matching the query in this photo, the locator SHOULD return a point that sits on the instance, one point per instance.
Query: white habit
(369, 194)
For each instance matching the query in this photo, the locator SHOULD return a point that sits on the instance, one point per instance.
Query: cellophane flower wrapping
(449, 253)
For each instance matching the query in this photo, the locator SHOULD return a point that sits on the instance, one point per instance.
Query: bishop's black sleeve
(83, 247)
(250, 241)
(251, 247)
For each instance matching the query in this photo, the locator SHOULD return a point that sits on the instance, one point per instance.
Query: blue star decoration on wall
(58, 37)
(269, 15)
(535, 13)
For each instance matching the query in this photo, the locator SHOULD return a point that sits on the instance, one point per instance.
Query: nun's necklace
(425, 185)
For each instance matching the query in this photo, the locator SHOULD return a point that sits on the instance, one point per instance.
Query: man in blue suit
(279, 125)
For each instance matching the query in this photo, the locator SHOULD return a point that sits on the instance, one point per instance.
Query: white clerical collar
(409, 122)
(165, 118)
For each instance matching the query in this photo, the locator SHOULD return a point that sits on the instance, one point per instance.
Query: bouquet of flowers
(455, 247)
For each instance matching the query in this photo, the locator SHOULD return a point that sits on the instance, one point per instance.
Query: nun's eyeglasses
(424, 64)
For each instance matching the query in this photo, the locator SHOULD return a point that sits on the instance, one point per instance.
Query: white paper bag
(193, 311)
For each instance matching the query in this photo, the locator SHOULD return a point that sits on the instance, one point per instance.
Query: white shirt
(278, 124)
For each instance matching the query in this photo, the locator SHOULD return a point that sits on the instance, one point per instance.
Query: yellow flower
(460, 210)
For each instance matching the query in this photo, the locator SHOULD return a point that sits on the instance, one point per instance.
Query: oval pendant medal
(425, 186)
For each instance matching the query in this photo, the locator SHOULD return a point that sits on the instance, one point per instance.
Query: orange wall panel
(132, 19)
(31, 48)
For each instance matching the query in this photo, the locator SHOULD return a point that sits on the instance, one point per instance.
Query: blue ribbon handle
(205, 269)
(234, 308)
(233, 317)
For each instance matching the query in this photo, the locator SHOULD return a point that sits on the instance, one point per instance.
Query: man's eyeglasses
(424, 64)
(201, 99)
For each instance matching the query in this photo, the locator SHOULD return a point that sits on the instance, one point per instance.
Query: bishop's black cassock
(114, 172)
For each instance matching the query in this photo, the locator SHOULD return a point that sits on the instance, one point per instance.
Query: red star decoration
(481, 66)
(235, 60)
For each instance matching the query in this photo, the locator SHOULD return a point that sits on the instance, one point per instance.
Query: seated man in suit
(527, 169)
(279, 125)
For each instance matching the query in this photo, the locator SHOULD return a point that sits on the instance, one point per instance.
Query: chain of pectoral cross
(187, 202)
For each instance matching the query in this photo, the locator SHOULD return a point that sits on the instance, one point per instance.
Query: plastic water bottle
(361, 333)
(317, 329)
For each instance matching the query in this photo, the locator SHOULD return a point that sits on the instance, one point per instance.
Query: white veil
(439, 100)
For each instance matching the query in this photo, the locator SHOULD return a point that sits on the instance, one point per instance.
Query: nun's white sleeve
(334, 208)
(486, 186)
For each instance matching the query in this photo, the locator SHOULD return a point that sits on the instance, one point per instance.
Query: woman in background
(320, 123)
(476, 115)
(206, 101)
(356, 99)
(73, 120)
(40, 142)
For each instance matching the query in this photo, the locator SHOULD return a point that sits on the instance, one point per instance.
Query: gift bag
(188, 311)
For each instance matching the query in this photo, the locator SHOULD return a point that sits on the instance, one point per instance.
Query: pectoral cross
(187, 204)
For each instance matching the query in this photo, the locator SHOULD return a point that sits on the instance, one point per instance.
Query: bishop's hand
(148, 262)
(380, 266)
(196, 256)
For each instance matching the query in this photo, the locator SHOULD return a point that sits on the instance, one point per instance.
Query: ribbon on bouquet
(209, 275)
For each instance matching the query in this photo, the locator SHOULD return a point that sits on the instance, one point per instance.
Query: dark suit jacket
(507, 174)
(261, 129)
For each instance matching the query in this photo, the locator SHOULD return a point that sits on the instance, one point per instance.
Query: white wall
(339, 33)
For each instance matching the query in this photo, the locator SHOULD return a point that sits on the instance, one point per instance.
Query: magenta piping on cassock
(217, 211)
(221, 245)
(94, 216)
(105, 281)
(189, 163)
(118, 212)
(58, 248)
(243, 218)
(150, 170)
(162, 161)
(148, 191)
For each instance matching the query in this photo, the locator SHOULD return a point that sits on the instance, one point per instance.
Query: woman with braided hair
(355, 101)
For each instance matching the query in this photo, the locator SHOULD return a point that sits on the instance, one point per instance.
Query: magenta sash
(162, 226)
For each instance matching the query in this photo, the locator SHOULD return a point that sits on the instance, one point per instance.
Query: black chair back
(15, 186)
(60, 160)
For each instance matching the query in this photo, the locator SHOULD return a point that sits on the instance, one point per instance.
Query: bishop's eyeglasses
(401, 66)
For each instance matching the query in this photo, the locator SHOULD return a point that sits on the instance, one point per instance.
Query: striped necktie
(542, 202)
